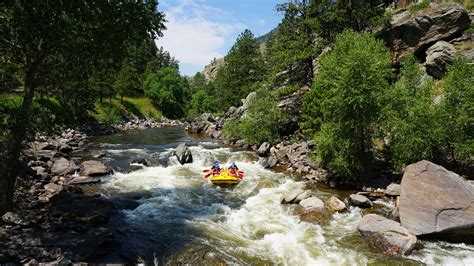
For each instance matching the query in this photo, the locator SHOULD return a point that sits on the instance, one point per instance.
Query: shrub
(260, 123)
(110, 115)
(414, 7)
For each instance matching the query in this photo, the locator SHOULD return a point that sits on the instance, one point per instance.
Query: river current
(178, 209)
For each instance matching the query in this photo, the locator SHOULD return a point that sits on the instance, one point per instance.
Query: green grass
(415, 7)
(141, 107)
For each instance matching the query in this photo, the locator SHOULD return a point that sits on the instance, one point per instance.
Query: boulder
(387, 235)
(94, 168)
(83, 180)
(141, 161)
(306, 194)
(437, 203)
(183, 154)
(414, 34)
(393, 190)
(53, 188)
(272, 161)
(292, 195)
(264, 149)
(360, 201)
(63, 166)
(439, 57)
(312, 204)
(40, 171)
(336, 204)
(12, 218)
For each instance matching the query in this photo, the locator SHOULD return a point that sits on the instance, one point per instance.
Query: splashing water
(244, 225)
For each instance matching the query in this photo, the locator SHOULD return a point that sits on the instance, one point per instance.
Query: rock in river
(94, 168)
(393, 190)
(437, 203)
(63, 166)
(360, 201)
(336, 204)
(183, 154)
(387, 235)
(292, 195)
(312, 204)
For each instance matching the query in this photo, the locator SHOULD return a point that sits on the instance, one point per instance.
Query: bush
(344, 104)
(110, 115)
(414, 7)
(260, 123)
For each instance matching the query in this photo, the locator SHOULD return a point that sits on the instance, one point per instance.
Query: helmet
(232, 164)
(215, 161)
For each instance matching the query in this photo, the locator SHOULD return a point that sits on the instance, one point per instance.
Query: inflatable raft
(224, 178)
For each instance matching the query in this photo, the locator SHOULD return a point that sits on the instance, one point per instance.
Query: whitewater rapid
(246, 224)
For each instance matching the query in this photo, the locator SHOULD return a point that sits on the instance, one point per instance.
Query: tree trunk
(121, 99)
(10, 163)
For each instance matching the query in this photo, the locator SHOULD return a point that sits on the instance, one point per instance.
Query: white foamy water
(247, 224)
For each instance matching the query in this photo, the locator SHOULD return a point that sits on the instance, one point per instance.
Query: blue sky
(200, 30)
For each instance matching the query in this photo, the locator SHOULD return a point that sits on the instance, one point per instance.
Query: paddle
(207, 175)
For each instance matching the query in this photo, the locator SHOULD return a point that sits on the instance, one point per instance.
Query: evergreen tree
(244, 66)
(127, 80)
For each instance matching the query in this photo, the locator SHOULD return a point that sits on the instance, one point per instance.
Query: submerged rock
(387, 235)
(183, 154)
(437, 203)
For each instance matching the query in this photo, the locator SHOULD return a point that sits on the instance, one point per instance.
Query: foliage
(168, 91)
(459, 109)
(411, 121)
(244, 66)
(127, 79)
(307, 27)
(344, 103)
(110, 115)
(414, 7)
(260, 123)
(202, 102)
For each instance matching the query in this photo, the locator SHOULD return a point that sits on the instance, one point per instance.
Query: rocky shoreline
(54, 220)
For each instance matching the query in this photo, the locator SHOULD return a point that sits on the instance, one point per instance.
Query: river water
(178, 209)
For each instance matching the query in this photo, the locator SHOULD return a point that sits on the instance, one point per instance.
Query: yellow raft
(224, 179)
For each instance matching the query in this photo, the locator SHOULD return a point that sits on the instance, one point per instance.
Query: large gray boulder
(387, 235)
(439, 57)
(415, 33)
(94, 168)
(437, 203)
(183, 154)
(264, 149)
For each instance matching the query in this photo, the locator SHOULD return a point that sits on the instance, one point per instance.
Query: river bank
(166, 213)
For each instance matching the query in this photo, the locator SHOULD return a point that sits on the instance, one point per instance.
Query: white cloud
(196, 32)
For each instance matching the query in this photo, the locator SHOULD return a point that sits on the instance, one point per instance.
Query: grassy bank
(113, 111)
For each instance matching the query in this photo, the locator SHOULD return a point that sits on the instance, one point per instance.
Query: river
(178, 209)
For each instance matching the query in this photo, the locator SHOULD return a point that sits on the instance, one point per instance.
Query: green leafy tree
(127, 80)
(346, 96)
(168, 91)
(198, 82)
(244, 66)
(459, 109)
(260, 122)
(411, 121)
(36, 34)
(202, 102)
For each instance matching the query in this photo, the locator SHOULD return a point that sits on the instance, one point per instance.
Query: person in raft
(233, 169)
(215, 169)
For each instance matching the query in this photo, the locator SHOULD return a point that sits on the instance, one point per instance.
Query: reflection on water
(246, 224)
